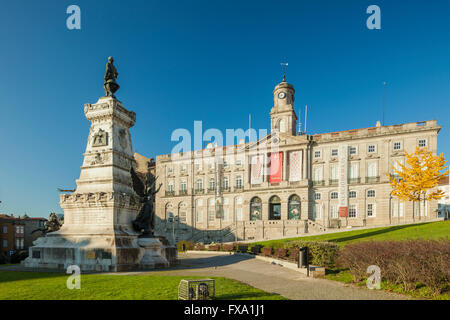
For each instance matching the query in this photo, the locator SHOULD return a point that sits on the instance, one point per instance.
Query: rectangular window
(334, 152)
(317, 154)
(317, 211)
(334, 211)
(239, 214)
(318, 174)
(397, 145)
(334, 172)
(5, 243)
(372, 169)
(169, 170)
(371, 148)
(352, 150)
(211, 214)
(183, 216)
(422, 143)
(5, 229)
(352, 211)
(183, 186)
(239, 182)
(238, 162)
(199, 216)
(354, 170)
(371, 210)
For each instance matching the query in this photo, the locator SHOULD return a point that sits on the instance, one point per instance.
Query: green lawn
(52, 286)
(430, 230)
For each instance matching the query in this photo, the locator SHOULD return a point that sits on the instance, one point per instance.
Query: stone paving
(271, 278)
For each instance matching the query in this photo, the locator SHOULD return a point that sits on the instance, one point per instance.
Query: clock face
(282, 95)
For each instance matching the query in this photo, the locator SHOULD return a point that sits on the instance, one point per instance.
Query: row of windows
(370, 149)
(19, 229)
(211, 186)
(352, 211)
(199, 166)
(351, 194)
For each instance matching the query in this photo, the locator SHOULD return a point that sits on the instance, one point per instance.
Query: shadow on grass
(375, 233)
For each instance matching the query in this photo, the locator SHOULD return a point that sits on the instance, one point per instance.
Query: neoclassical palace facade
(288, 183)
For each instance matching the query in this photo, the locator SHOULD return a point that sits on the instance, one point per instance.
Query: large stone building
(288, 183)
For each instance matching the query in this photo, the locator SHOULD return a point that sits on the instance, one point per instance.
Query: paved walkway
(271, 278)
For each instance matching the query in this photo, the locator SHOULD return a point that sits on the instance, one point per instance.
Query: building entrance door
(275, 208)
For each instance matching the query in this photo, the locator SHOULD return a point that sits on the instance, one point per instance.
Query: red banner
(343, 212)
(276, 167)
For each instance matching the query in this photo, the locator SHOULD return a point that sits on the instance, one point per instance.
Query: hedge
(319, 253)
(408, 262)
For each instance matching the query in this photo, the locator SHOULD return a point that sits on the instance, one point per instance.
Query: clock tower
(282, 116)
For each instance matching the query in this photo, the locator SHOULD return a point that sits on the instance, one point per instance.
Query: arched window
(255, 209)
(225, 183)
(182, 212)
(352, 194)
(199, 185)
(239, 181)
(274, 208)
(169, 211)
(294, 207)
(282, 125)
(212, 184)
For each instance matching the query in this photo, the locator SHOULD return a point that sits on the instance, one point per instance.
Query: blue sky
(215, 61)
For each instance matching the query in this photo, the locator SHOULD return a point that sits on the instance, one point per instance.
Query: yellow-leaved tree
(418, 178)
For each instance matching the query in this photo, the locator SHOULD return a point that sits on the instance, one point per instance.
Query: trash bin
(303, 257)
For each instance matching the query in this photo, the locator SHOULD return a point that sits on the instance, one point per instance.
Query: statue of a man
(111, 74)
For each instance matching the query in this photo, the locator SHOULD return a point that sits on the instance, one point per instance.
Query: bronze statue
(144, 221)
(52, 224)
(111, 74)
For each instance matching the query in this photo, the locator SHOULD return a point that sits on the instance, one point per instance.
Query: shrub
(256, 249)
(281, 253)
(228, 247)
(19, 256)
(188, 245)
(319, 253)
(214, 247)
(407, 263)
(3, 259)
(199, 246)
(293, 254)
(242, 248)
(267, 251)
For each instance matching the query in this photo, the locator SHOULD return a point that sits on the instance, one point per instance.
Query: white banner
(343, 176)
(295, 165)
(257, 169)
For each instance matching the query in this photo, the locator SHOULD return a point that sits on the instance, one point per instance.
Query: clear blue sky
(215, 61)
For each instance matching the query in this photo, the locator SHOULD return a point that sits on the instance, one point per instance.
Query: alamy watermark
(374, 280)
(73, 22)
(74, 280)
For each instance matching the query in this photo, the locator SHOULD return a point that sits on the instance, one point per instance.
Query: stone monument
(98, 233)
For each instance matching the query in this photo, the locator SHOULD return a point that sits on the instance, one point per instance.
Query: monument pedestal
(97, 234)
(153, 256)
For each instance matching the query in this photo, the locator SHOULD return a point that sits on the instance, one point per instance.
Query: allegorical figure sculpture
(52, 224)
(144, 221)
(111, 74)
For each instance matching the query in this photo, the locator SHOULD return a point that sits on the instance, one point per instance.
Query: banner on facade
(276, 167)
(257, 169)
(343, 179)
(295, 165)
(343, 212)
